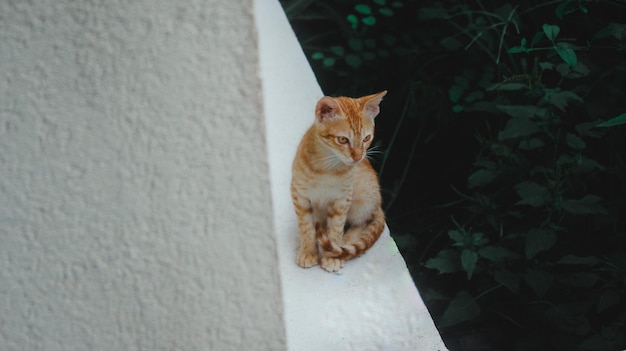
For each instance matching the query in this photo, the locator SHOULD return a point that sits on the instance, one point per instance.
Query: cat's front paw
(307, 259)
(332, 264)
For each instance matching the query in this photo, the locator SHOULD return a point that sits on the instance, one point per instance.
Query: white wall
(135, 209)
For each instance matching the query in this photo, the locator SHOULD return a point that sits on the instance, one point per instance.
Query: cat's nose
(356, 156)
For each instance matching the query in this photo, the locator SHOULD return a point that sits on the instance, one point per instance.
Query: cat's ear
(326, 109)
(371, 107)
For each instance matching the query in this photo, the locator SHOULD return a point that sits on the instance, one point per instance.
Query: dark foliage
(504, 171)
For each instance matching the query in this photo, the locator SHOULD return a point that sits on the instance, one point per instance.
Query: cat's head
(346, 125)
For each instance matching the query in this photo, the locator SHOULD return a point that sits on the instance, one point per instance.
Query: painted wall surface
(135, 209)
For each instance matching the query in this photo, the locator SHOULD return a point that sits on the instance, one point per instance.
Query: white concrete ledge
(372, 303)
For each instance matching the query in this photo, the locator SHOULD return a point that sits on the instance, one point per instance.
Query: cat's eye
(342, 140)
(367, 138)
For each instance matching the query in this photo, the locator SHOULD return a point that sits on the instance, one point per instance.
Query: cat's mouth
(341, 158)
(351, 161)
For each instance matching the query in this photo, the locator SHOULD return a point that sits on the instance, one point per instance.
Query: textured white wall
(134, 196)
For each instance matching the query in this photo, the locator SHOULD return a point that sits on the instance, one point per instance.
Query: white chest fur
(327, 189)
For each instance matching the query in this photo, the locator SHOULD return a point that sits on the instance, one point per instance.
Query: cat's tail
(356, 244)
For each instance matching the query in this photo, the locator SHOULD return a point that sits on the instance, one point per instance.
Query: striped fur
(334, 188)
(364, 238)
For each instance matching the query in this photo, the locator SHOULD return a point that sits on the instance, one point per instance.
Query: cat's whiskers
(329, 161)
(373, 151)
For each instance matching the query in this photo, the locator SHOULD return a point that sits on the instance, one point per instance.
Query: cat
(334, 187)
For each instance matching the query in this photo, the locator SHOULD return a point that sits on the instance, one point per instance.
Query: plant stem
(393, 138)
(404, 173)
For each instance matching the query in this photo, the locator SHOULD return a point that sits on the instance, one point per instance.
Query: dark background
(502, 188)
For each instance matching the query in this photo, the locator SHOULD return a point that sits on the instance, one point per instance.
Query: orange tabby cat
(334, 187)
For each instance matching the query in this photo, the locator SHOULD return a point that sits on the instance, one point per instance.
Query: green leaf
(594, 342)
(397, 4)
(608, 335)
(538, 240)
(369, 55)
(609, 298)
(380, 2)
(429, 13)
(353, 60)
(615, 121)
(457, 236)
(317, 56)
(480, 178)
(462, 308)
(560, 99)
(370, 43)
(573, 72)
(578, 260)
(509, 279)
(390, 39)
(571, 317)
(551, 31)
(473, 96)
(508, 86)
(588, 204)
(356, 44)
(386, 12)
(446, 261)
(517, 50)
(497, 254)
(536, 39)
(523, 111)
(338, 50)
(401, 51)
(478, 239)
(431, 294)
(567, 54)
(540, 281)
(530, 144)
(369, 20)
(518, 127)
(560, 10)
(616, 30)
(363, 9)
(455, 92)
(451, 43)
(584, 280)
(588, 165)
(468, 261)
(354, 21)
(565, 159)
(489, 164)
(575, 142)
(329, 62)
(532, 194)
(588, 129)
